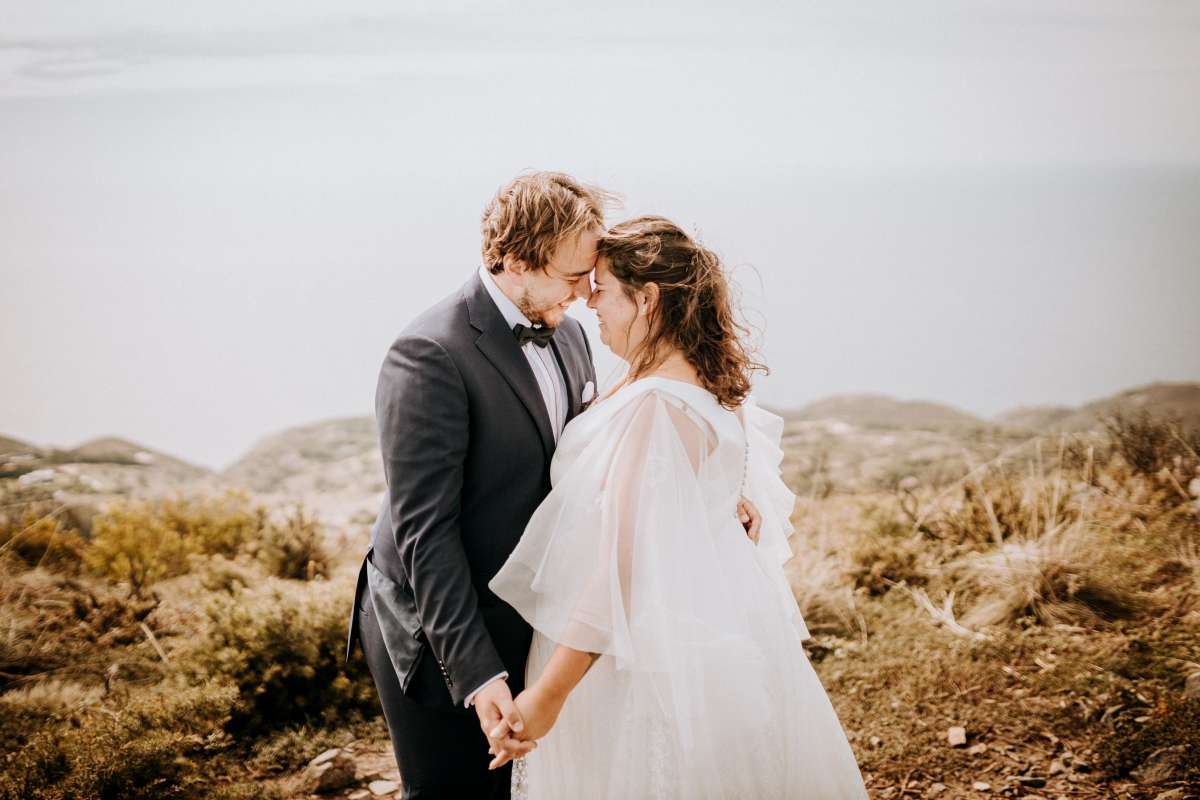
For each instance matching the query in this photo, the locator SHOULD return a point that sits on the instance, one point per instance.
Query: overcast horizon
(214, 221)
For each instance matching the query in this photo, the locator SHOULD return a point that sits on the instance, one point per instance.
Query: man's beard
(534, 315)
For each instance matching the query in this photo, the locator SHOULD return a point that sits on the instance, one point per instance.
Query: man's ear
(513, 265)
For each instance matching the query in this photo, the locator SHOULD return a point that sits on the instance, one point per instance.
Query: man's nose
(583, 288)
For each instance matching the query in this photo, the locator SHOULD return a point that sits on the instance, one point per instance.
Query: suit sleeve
(422, 414)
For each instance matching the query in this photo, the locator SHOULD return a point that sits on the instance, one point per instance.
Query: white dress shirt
(549, 379)
(541, 359)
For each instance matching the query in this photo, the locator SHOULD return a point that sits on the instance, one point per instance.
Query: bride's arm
(541, 703)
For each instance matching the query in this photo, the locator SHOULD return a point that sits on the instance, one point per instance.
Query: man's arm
(421, 411)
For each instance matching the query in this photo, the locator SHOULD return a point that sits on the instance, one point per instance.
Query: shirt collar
(508, 309)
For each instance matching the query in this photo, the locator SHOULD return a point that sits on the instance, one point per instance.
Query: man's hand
(750, 518)
(498, 716)
(539, 709)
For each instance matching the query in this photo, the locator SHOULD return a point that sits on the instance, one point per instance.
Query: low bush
(1168, 743)
(142, 543)
(285, 655)
(885, 554)
(132, 543)
(223, 525)
(66, 626)
(142, 752)
(1058, 577)
(1149, 443)
(295, 549)
(39, 537)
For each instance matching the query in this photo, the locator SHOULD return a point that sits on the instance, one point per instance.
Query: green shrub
(132, 543)
(887, 554)
(146, 542)
(20, 721)
(142, 752)
(295, 549)
(286, 659)
(39, 538)
(64, 627)
(220, 574)
(1149, 443)
(217, 525)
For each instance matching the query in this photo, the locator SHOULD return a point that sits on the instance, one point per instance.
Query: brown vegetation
(1045, 599)
(1051, 607)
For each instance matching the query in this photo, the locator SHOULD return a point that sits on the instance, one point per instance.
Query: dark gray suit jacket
(466, 444)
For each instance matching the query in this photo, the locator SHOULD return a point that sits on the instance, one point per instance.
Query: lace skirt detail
(519, 785)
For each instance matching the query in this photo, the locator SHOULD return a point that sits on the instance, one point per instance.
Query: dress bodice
(722, 468)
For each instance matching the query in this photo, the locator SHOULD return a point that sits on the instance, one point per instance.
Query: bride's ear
(647, 299)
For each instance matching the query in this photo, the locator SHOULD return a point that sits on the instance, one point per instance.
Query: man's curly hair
(532, 214)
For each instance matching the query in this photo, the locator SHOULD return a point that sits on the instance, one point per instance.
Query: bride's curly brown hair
(694, 312)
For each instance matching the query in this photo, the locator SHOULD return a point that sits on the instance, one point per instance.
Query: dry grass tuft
(1058, 577)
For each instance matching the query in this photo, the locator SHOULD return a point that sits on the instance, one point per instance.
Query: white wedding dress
(703, 689)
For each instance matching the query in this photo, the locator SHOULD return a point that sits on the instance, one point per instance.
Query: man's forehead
(573, 273)
(574, 262)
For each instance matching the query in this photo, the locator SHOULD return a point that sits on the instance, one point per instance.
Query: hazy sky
(215, 219)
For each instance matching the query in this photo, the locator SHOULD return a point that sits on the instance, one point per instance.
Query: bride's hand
(539, 709)
(750, 518)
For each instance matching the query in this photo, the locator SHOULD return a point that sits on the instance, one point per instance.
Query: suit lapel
(500, 347)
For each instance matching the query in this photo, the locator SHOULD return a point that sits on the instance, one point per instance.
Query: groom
(470, 403)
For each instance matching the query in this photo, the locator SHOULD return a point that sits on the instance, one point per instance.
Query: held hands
(750, 518)
(501, 721)
(538, 710)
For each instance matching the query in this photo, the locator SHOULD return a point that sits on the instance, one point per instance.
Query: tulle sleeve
(775, 501)
(620, 558)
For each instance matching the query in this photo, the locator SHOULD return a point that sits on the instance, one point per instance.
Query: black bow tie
(539, 336)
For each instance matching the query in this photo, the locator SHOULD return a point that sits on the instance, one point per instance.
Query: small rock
(980, 786)
(976, 749)
(935, 789)
(1056, 767)
(875, 741)
(36, 476)
(957, 736)
(1173, 794)
(1191, 687)
(1161, 765)
(379, 788)
(331, 771)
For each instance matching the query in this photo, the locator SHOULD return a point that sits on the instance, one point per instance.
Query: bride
(667, 658)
